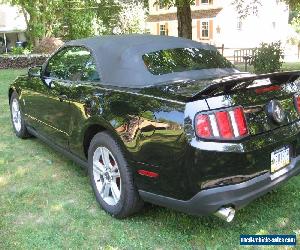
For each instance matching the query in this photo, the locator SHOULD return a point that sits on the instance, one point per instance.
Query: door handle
(62, 98)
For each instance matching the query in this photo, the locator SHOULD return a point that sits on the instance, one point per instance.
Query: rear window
(184, 59)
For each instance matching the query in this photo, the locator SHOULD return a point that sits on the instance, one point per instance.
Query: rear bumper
(238, 195)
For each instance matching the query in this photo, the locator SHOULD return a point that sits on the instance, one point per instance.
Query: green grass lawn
(46, 202)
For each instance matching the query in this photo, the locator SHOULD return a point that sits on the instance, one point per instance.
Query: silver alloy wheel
(107, 176)
(16, 114)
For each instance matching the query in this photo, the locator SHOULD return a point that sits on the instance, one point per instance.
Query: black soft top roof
(119, 59)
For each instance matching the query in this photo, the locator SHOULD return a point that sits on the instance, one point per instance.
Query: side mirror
(35, 71)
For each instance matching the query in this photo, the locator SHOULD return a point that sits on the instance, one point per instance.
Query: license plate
(280, 158)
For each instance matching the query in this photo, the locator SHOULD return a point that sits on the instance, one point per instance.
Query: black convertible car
(163, 120)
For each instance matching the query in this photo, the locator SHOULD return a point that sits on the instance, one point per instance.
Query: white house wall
(255, 28)
(271, 24)
(11, 19)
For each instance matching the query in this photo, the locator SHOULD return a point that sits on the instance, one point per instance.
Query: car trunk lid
(253, 92)
(263, 97)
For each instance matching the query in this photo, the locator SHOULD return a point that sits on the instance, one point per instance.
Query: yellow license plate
(280, 158)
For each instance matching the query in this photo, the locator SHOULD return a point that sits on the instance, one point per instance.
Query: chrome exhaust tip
(226, 213)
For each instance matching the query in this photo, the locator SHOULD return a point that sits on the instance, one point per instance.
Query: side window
(74, 64)
(55, 67)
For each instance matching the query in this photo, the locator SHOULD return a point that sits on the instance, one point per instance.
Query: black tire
(130, 201)
(22, 131)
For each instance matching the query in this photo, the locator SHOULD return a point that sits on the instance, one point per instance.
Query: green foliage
(68, 19)
(17, 51)
(296, 22)
(87, 18)
(131, 18)
(294, 4)
(20, 51)
(169, 3)
(267, 58)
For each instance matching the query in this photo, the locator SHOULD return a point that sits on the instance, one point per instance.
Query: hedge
(21, 61)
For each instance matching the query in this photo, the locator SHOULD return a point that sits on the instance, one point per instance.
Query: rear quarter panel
(151, 131)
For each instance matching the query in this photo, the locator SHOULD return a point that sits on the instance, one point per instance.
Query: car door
(50, 107)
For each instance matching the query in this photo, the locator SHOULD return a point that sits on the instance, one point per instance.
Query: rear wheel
(111, 177)
(17, 117)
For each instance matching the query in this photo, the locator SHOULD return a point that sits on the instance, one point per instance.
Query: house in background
(217, 22)
(12, 27)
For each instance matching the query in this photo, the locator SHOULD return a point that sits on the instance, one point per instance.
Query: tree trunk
(184, 16)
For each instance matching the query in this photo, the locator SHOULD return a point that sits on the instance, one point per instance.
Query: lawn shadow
(252, 216)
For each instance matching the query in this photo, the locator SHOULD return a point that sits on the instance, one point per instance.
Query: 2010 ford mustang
(163, 120)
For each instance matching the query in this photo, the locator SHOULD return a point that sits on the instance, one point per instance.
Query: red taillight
(240, 121)
(203, 126)
(223, 125)
(297, 102)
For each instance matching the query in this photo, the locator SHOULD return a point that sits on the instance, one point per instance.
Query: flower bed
(22, 61)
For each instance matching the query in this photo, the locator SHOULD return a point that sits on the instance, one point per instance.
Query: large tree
(68, 19)
(184, 15)
(84, 18)
(131, 18)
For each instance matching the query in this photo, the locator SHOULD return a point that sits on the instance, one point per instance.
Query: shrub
(26, 51)
(20, 51)
(49, 45)
(17, 51)
(267, 58)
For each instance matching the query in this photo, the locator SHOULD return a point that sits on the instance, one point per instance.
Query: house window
(204, 1)
(204, 29)
(162, 30)
(274, 25)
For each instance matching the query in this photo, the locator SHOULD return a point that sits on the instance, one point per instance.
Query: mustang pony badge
(275, 111)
